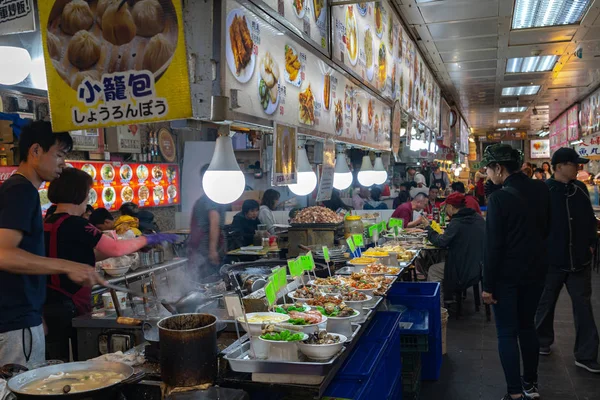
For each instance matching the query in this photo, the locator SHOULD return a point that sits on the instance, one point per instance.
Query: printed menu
(271, 75)
(115, 183)
(573, 123)
(589, 114)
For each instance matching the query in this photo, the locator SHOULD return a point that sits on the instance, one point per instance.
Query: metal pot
(188, 349)
(17, 383)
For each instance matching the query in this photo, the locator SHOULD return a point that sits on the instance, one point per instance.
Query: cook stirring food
(69, 236)
(23, 267)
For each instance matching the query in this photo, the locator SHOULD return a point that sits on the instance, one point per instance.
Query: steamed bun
(84, 50)
(149, 17)
(158, 51)
(76, 16)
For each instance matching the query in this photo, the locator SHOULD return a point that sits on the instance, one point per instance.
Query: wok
(17, 383)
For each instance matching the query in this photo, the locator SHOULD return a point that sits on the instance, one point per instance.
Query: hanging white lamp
(366, 176)
(224, 182)
(379, 172)
(15, 65)
(342, 177)
(307, 179)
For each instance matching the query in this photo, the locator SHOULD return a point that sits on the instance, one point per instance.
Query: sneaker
(509, 397)
(591, 366)
(545, 351)
(530, 390)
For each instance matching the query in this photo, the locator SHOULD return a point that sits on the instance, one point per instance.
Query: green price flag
(312, 261)
(373, 229)
(326, 254)
(382, 227)
(270, 293)
(280, 279)
(351, 245)
(396, 222)
(296, 269)
(359, 240)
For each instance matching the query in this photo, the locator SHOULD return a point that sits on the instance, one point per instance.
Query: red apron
(81, 298)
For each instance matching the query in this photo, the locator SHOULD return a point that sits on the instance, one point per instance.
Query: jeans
(579, 286)
(515, 326)
(436, 274)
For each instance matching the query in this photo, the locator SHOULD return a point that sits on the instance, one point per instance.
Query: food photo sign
(275, 78)
(111, 63)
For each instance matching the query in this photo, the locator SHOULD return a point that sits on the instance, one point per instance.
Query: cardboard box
(247, 195)
(6, 132)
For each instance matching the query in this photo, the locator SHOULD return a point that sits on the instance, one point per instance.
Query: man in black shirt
(23, 267)
(570, 250)
(515, 264)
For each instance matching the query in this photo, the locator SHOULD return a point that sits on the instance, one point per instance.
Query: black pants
(515, 325)
(579, 286)
(58, 317)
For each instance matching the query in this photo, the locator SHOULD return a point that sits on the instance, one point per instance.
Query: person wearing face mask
(463, 238)
(570, 251)
(69, 236)
(23, 267)
(515, 264)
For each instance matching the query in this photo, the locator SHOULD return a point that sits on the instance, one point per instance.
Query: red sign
(6, 172)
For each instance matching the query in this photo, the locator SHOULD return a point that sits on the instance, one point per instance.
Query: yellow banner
(109, 63)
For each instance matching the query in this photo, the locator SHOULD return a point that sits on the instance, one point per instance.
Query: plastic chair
(461, 295)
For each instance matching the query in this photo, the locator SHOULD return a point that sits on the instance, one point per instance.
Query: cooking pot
(17, 383)
(188, 349)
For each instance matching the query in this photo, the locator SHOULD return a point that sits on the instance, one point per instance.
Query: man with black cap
(570, 251)
(515, 264)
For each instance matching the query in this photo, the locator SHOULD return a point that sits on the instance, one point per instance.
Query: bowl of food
(339, 318)
(364, 285)
(307, 321)
(282, 344)
(116, 271)
(254, 329)
(357, 300)
(303, 294)
(359, 262)
(321, 345)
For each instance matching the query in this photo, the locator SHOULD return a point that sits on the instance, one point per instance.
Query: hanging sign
(590, 146)
(124, 72)
(285, 155)
(540, 148)
(16, 16)
(326, 183)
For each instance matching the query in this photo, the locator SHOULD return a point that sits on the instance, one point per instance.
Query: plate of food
(362, 8)
(327, 92)
(172, 192)
(306, 105)
(370, 113)
(127, 194)
(351, 36)
(239, 46)
(268, 84)
(359, 121)
(89, 169)
(157, 172)
(329, 281)
(44, 200)
(107, 173)
(379, 19)
(142, 172)
(318, 6)
(109, 196)
(299, 8)
(158, 194)
(376, 126)
(126, 172)
(92, 197)
(322, 345)
(293, 65)
(339, 118)
(369, 53)
(382, 72)
(286, 308)
(362, 261)
(143, 193)
(171, 173)
(306, 321)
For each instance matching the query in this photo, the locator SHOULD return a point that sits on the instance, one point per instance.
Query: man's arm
(493, 243)
(17, 261)
(213, 236)
(444, 240)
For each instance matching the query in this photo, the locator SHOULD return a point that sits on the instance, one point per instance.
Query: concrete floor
(471, 370)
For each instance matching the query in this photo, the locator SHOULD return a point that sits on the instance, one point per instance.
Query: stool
(476, 299)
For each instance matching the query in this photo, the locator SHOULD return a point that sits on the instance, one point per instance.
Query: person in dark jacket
(515, 264)
(570, 250)
(463, 238)
(246, 221)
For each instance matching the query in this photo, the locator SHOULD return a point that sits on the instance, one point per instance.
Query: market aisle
(472, 370)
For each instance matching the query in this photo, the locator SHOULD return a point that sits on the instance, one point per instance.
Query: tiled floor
(471, 370)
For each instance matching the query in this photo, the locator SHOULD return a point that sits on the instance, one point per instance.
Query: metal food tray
(317, 226)
(240, 361)
(356, 328)
(377, 300)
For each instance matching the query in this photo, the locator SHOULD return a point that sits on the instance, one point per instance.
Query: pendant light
(223, 182)
(342, 177)
(366, 174)
(379, 172)
(307, 179)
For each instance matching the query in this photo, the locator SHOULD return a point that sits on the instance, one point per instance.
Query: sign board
(85, 140)
(285, 155)
(326, 183)
(539, 148)
(573, 123)
(589, 147)
(16, 16)
(508, 135)
(124, 139)
(101, 78)
(464, 137)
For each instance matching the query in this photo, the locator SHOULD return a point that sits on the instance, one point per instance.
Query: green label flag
(382, 227)
(359, 240)
(326, 254)
(396, 231)
(351, 245)
(280, 279)
(296, 269)
(373, 229)
(396, 222)
(270, 293)
(312, 261)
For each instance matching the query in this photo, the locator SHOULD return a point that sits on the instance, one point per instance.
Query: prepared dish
(361, 261)
(316, 215)
(272, 318)
(284, 336)
(351, 36)
(142, 172)
(126, 172)
(339, 121)
(363, 285)
(127, 194)
(73, 382)
(285, 308)
(322, 337)
(377, 268)
(143, 193)
(318, 7)
(306, 292)
(336, 311)
(305, 318)
(108, 172)
(370, 112)
(376, 252)
(382, 59)
(368, 40)
(378, 19)
(306, 101)
(292, 66)
(327, 281)
(354, 295)
(268, 85)
(157, 172)
(242, 44)
(322, 300)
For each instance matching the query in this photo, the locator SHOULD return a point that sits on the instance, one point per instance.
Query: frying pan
(17, 383)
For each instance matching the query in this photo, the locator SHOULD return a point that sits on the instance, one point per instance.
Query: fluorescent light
(508, 121)
(15, 65)
(223, 182)
(576, 142)
(512, 109)
(506, 129)
(543, 133)
(521, 90)
(538, 13)
(531, 64)
(307, 179)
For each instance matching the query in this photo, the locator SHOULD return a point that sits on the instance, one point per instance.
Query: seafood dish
(108, 172)
(127, 194)
(331, 310)
(327, 281)
(90, 170)
(292, 66)
(322, 300)
(318, 7)
(268, 85)
(351, 36)
(354, 295)
(363, 284)
(322, 337)
(306, 101)
(306, 292)
(380, 269)
(142, 172)
(157, 172)
(327, 91)
(126, 172)
(339, 121)
(241, 43)
(305, 318)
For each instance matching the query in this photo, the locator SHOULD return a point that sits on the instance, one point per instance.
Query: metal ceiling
(467, 44)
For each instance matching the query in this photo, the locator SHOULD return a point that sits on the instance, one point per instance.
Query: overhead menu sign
(271, 76)
(121, 71)
(16, 16)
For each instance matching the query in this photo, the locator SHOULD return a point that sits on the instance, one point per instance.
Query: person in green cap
(515, 264)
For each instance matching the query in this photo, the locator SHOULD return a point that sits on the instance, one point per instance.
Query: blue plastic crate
(381, 385)
(363, 360)
(431, 362)
(347, 389)
(414, 322)
(382, 326)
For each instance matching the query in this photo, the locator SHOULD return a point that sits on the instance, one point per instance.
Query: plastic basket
(411, 381)
(347, 389)
(414, 343)
(411, 361)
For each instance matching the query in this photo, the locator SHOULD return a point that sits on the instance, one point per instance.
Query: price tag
(382, 227)
(295, 267)
(312, 261)
(373, 229)
(280, 279)
(326, 254)
(351, 245)
(359, 240)
(396, 222)
(270, 293)
(396, 231)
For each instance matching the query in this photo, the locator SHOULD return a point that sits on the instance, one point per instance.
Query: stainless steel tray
(375, 302)
(240, 361)
(356, 328)
(351, 270)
